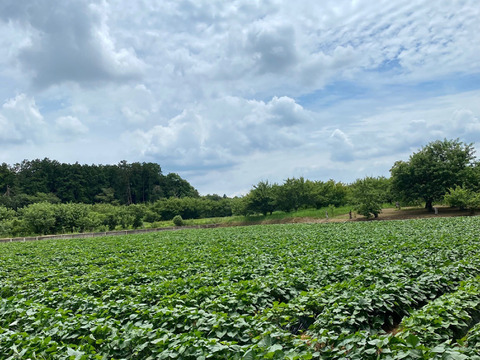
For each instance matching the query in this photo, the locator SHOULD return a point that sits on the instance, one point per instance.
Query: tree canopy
(367, 196)
(48, 180)
(431, 171)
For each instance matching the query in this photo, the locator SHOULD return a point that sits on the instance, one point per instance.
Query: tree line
(444, 171)
(45, 197)
(46, 180)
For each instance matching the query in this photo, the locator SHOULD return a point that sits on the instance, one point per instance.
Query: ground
(386, 214)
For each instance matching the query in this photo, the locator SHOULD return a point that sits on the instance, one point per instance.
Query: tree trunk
(429, 205)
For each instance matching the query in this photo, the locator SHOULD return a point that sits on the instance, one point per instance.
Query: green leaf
(412, 340)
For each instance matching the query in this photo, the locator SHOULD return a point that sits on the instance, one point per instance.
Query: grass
(276, 217)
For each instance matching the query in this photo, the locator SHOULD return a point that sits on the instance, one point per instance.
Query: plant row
(355, 290)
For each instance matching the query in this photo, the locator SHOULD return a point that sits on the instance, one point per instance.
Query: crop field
(364, 290)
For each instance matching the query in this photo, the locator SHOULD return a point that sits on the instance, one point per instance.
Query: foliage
(323, 194)
(432, 170)
(6, 214)
(177, 220)
(48, 180)
(191, 208)
(462, 198)
(367, 198)
(174, 186)
(239, 206)
(137, 212)
(39, 218)
(292, 195)
(331, 291)
(75, 217)
(458, 197)
(261, 199)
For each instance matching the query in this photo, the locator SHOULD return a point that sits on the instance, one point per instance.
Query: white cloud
(225, 128)
(70, 41)
(21, 121)
(404, 128)
(341, 147)
(467, 124)
(271, 47)
(70, 126)
(334, 88)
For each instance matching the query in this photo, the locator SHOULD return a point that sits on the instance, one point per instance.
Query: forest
(48, 180)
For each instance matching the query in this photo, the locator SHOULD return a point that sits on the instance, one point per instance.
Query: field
(358, 290)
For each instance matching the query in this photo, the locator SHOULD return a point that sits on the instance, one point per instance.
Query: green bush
(462, 198)
(178, 220)
(39, 218)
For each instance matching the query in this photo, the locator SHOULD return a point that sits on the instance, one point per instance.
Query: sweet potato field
(365, 290)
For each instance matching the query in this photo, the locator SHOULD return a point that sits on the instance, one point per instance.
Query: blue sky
(231, 93)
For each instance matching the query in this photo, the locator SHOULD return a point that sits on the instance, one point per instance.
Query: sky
(230, 93)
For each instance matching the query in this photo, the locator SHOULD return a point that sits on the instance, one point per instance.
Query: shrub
(178, 220)
(462, 198)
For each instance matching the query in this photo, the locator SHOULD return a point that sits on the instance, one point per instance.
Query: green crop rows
(376, 290)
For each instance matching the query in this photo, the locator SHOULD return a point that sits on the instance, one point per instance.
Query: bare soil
(386, 214)
(419, 213)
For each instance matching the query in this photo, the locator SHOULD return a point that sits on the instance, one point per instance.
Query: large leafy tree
(292, 195)
(261, 198)
(328, 193)
(367, 197)
(39, 218)
(431, 171)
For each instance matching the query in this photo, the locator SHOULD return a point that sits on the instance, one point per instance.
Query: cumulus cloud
(466, 120)
(210, 85)
(21, 121)
(70, 126)
(272, 47)
(341, 147)
(223, 129)
(255, 48)
(400, 130)
(70, 41)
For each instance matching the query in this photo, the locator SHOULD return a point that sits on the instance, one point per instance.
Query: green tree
(292, 195)
(6, 214)
(167, 208)
(7, 179)
(366, 197)
(240, 205)
(177, 220)
(327, 193)
(106, 196)
(72, 217)
(39, 218)
(428, 174)
(261, 198)
(174, 186)
(137, 211)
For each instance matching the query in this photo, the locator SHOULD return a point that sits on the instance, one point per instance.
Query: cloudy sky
(228, 93)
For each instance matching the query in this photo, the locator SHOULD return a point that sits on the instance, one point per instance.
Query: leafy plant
(388, 290)
(178, 221)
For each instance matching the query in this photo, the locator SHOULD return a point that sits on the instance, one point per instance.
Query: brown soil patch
(418, 213)
(388, 214)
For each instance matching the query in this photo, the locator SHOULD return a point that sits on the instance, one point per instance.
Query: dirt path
(420, 213)
(386, 214)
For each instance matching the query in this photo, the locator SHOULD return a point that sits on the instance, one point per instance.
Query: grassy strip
(276, 217)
